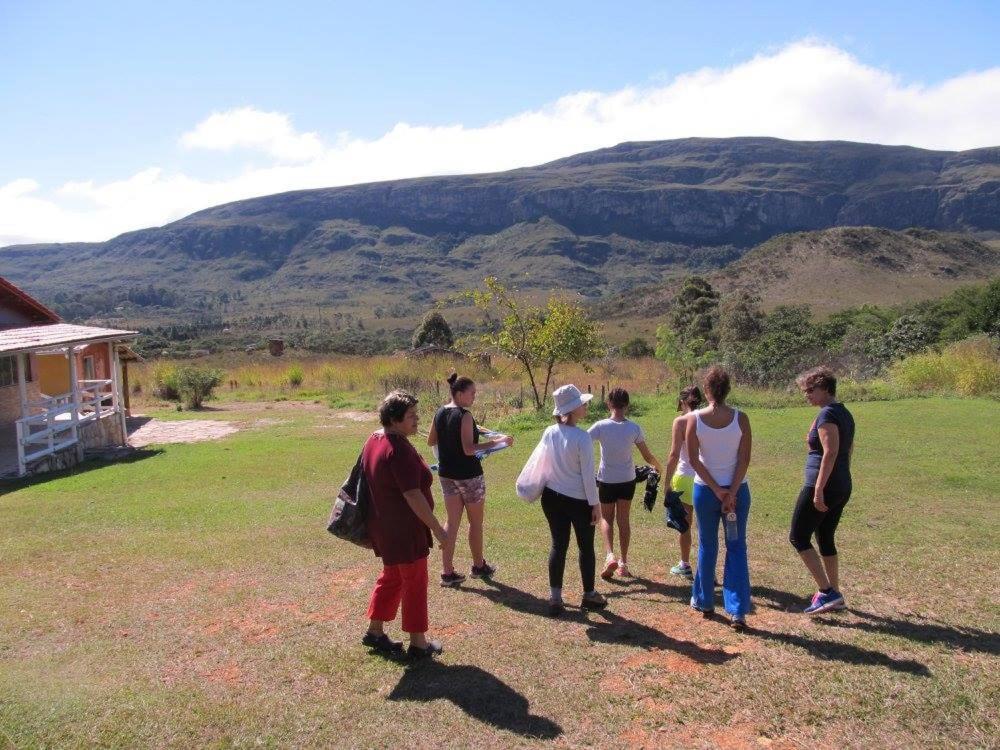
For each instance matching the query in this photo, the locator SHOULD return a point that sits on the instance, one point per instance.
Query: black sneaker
(593, 601)
(556, 607)
(415, 653)
(483, 571)
(452, 579)
(382, 644)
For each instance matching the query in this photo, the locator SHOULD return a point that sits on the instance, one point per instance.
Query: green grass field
(192, 597)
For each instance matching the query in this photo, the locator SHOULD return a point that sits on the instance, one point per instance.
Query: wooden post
(22, 389)
(602, 393)
(126, 394)
(75, 395)
(116, 387)
(22, 386)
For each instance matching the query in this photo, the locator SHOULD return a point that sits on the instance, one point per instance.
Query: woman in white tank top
(681, 473)
(718, 443)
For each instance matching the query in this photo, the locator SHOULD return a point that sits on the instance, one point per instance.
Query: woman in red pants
(400, 523)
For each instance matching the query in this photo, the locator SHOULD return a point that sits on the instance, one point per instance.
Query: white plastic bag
(531, 480)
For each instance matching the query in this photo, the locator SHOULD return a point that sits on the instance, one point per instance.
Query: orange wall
(53, 374)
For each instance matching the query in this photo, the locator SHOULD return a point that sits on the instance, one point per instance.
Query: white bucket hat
(567, 398)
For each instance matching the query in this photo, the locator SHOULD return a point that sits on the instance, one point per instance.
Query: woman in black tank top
(455, 435)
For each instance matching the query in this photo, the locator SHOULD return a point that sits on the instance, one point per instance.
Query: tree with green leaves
(433, 330)
(538, 337)
(741, 321)
(694, 314)
(688, 339)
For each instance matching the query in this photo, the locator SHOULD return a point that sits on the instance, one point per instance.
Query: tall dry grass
(968, 368)
(360, 381)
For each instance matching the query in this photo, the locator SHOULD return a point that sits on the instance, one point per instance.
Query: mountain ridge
(596, 223)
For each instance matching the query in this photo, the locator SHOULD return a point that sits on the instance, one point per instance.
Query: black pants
(806, 520)
(563, 512)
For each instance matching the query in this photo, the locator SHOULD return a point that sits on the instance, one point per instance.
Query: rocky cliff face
(596, 221)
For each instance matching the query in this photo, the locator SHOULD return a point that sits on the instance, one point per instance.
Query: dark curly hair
(394, 407)
(715, 380)
(818, 377)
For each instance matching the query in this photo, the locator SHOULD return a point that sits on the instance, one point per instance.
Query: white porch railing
(54, 425)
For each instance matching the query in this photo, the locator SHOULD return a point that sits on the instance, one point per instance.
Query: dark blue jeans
(736, 575)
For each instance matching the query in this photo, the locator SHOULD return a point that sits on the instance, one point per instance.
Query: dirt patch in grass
(157, 432)
(733, 736)
(355, 416)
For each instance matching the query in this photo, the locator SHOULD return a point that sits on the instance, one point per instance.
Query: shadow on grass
(134, 423)
(923, 631)
(629, 587)
(611, 628)
(121, 456)
(782, 601)
(476, 692)
(845, 652)
(520, 601)
(918, 629)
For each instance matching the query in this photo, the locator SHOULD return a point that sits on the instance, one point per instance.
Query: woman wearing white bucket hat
(570, 499)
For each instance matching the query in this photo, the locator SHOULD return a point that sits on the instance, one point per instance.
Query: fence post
(602, 393)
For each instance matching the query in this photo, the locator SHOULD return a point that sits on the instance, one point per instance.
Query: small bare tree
(538, 337)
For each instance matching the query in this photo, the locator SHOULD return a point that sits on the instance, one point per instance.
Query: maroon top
(392, 467)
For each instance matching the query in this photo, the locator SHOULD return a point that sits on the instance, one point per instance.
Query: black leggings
(562, 512)
(806, 520)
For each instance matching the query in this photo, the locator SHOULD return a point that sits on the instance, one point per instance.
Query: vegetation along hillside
(598, 224)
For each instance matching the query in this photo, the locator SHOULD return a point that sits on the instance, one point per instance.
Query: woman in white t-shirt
(618, 435)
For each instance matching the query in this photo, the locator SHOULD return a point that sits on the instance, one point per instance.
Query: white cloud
(248, 128)
(806, 91)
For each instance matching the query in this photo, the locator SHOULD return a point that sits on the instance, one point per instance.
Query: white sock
(555, 594)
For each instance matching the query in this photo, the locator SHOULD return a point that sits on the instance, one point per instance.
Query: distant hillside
(597, 223)
(842, 267)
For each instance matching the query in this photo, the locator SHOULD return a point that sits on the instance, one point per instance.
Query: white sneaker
(610, 566)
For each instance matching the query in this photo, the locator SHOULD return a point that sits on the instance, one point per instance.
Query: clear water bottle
(732, 530)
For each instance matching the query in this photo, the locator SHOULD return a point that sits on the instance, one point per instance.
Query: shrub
(195, 384)
(969, 368)
(635, 348)
(294, 376)
(164, 378)
(434, 329)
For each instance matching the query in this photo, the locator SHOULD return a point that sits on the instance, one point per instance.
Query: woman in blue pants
(718, 442)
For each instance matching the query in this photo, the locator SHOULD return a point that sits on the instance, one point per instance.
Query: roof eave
(124, 336)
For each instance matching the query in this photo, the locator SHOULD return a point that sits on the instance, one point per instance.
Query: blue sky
(95, 94)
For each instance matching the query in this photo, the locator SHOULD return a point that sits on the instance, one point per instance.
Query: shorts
(611, 492)
(472, 491)
(683, 485)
